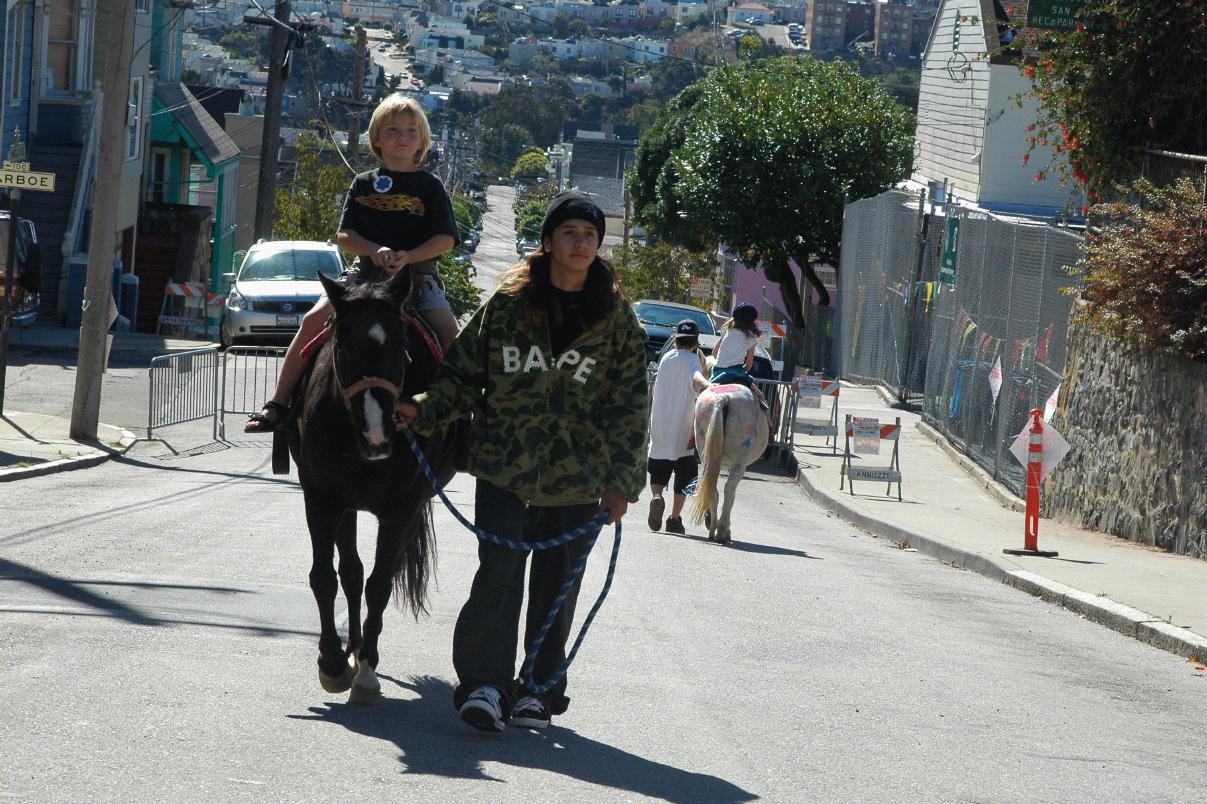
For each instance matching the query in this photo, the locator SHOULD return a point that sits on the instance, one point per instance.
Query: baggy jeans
(484, 640)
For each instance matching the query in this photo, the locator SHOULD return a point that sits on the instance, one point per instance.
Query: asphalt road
(496, 250)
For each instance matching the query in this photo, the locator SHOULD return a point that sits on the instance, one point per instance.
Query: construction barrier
(812, 390)
(781, 396)
(185, 310)
(249, 376)
(183, 388)
(867, 434)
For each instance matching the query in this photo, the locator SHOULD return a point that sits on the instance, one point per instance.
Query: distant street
(496, 251)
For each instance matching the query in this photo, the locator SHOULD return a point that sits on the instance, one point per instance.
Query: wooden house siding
(953, 97)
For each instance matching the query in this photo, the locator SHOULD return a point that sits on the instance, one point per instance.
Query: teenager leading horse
(343, 442)
(731, 429)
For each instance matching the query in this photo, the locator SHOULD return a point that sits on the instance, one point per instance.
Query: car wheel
(224, 340)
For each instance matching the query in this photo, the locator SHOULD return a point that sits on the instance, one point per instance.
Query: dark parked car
(659, 319)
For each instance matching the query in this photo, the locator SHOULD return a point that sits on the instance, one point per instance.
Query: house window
(62, 46)
(141, 5)
(134, 119)
(14, 47)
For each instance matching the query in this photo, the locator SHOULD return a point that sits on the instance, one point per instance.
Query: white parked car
(275, 286)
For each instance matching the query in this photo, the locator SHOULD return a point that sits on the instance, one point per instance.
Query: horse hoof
(340, 683)
(364, 695)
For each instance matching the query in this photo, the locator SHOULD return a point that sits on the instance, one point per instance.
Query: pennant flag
(995, 378)
(1050, 405)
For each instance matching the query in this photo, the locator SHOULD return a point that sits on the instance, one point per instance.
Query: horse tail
(710, 451)
(418, 554)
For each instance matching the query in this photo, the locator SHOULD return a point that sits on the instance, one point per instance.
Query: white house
(971, 130)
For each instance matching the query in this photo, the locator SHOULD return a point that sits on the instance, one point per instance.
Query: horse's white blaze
(378, 334)
(375, 432)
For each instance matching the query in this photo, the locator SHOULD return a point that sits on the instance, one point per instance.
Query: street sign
(701, 288)
(1055, 15)
(1055, 448)
(947, 266)
(866, 431)
(18, 176)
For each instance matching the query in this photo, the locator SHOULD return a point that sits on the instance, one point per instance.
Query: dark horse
(349, 459)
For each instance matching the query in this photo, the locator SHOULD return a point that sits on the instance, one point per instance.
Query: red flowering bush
(1145, 270)
(1130, 76)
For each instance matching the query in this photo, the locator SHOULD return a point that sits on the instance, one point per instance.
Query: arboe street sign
(1059, 15)
(18, 176)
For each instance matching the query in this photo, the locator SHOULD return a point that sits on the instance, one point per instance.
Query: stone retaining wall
(1137, 428)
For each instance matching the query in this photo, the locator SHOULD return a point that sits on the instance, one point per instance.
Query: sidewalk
(32, 444)
(958, 515)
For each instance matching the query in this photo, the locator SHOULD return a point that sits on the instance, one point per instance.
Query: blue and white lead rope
(590, 529)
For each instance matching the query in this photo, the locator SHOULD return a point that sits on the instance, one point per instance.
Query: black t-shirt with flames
(397, 210)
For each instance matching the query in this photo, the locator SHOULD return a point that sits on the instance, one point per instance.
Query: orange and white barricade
(812, 391)
(863, 437)
(183, 311)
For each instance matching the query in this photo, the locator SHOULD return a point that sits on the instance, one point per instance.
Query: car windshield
(664, 316)
(290, 264)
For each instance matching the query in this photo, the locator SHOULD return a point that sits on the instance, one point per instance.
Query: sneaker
(657, 508)
(482, 709)
(674, 524)
(530, 713)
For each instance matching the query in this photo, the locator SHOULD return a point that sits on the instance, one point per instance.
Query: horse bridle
(363, 384)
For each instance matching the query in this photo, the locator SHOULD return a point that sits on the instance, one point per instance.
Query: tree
(1129, 76)
(662, 271)
(672, 76)
(191, 77)
(762, 156)
(531, 164)
(1145, 270)
(457, 273)
(311, 207)
(530, 206)
(502, 146)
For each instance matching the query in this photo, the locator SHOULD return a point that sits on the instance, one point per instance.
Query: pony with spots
(731, 431)
(344, 444)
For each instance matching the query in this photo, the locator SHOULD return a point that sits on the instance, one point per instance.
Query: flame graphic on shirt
(393, 203)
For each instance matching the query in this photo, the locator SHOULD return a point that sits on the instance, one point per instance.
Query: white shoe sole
(529, 722)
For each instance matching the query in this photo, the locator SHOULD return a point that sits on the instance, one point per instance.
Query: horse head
(369, 357)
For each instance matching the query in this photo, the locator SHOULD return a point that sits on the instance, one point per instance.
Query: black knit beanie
(572, 204)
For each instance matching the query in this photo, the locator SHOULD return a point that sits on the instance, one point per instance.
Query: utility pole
(267, 183)
(117, 45)
(358, 88)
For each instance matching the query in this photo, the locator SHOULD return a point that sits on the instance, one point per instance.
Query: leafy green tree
(502, 146)
(530, 205)
(672, 76)
(762, 156)
(191, 77)
(248, 44)
(662, 271)
(1130, 76)
(457, 273)
(310, 208)
(531, 164)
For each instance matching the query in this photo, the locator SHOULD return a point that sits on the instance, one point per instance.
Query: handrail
(87, 161)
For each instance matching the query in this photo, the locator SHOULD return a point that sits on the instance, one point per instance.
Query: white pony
(731, 430)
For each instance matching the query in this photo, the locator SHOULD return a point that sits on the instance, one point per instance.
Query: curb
(96, 458)
(1130, 622)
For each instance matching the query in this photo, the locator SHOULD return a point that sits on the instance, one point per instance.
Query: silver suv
(275, 286)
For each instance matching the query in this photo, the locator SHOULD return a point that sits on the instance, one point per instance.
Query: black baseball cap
(687, 329)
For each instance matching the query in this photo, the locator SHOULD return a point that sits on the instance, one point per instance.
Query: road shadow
(745, 547)
(434, 742)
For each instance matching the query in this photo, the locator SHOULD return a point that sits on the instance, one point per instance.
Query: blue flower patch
(383, 184)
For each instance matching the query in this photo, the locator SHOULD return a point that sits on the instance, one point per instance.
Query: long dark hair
(528, 280)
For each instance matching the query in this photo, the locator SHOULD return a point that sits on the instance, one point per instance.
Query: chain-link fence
(889, 261)
(1003, 323)
(949, 324)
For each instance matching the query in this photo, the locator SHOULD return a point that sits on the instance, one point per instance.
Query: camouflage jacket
(553, 432)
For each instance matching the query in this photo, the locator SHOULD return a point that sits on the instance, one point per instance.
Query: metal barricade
(183, 388)
(249, 376)
(781, 396)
